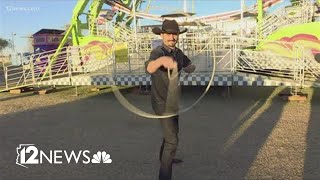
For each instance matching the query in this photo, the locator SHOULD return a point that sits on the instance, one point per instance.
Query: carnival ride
(281, 50)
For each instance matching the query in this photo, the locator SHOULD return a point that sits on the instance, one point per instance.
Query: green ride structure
(107, 48)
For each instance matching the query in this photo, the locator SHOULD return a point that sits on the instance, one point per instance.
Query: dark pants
(170, 129)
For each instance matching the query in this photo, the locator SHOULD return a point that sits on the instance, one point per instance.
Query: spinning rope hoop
(126, 104)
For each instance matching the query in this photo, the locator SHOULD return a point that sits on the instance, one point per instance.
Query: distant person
(165, 92)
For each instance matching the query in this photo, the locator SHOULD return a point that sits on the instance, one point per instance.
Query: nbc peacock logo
(101, 157)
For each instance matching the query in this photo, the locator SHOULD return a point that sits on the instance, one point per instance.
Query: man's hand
(168, 62)
(165, 61)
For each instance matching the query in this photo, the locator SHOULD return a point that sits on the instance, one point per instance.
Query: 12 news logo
(28, 154)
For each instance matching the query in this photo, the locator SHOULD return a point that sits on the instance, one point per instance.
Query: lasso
(125, 103)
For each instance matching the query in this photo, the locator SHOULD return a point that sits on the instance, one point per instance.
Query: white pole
(241, 18)
(135, 24)
(193, 6)
(13, 49)
(185, 6)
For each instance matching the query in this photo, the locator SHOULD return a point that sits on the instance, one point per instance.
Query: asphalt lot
(253, 134)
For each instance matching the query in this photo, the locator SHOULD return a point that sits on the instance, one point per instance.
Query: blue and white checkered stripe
(238, 79)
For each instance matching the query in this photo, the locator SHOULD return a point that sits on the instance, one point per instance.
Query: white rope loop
(173, 76)
(125, 103)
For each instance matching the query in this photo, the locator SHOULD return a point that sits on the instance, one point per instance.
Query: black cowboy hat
(169, 26)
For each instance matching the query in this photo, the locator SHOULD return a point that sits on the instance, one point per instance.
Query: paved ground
(251, 135)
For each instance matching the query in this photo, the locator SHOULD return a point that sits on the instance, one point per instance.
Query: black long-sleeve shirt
(162, 98)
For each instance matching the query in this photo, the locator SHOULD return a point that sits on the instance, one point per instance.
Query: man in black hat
(165, 91)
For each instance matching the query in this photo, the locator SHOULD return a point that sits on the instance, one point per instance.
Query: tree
(3, 44)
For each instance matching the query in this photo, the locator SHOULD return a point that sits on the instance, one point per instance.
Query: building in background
(47, 39)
